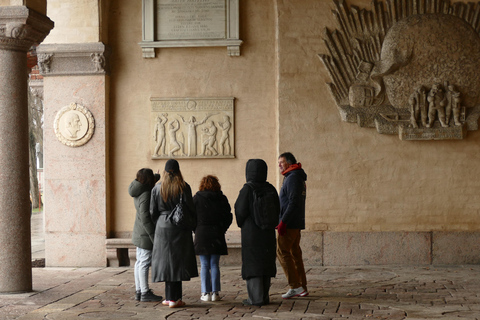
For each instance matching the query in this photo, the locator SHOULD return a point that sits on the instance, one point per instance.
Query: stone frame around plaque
(193, 128)
(152, 39)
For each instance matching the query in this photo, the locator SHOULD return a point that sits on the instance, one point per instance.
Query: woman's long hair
(145, 176)
(172, 185)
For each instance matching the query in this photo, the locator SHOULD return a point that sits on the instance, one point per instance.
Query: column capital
(20, 28)
(74, 59)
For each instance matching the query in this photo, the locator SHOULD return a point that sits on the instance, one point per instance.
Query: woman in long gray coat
(173, 256)
(143, 233)
(258, 245)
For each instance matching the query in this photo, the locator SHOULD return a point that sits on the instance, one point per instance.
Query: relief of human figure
(418, 107)
(436, 105)
(225, 138)
(192, 124)
(173, 127)
(210, 133)
(159, 134)
(456, 100)
(453, 105)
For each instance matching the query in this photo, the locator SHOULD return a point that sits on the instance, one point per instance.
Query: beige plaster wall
(359, 180)
(76, 21)
(37, 5)
(189, 72)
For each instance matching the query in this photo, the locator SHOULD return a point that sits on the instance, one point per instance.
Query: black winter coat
(292, 199)
(214, 217)
(258, 246)
(173, 255)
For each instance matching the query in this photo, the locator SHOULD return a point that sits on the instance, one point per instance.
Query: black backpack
(266, 205)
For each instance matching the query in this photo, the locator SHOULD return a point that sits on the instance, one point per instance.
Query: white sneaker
(206, 297)
(293, 293)
(304, 293)
(216, 296)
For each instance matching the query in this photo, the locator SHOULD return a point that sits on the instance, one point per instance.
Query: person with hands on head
(292, 221)
(143, 233)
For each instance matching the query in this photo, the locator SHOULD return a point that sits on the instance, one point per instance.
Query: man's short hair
(288, 157)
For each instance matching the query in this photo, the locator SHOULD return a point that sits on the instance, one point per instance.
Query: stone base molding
(390, 248)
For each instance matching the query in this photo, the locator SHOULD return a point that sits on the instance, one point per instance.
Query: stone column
(20, 28)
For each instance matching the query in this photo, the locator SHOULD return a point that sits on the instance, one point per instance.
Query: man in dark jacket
(292, 221)
(258, 245)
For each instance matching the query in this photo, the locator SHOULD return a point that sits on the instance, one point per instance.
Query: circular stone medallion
(74, 125)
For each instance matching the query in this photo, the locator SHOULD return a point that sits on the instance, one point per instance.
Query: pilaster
(75, 80)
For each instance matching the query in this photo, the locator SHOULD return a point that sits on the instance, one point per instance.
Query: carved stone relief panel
(192, 128)
(408, 69)
(74, 125)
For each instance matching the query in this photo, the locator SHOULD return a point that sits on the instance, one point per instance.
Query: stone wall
(369, 196)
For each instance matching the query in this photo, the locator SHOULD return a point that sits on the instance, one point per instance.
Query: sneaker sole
(303, 294)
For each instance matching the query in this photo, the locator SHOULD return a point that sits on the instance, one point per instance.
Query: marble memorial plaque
(189, 20)
(190, 23)
(192, 128)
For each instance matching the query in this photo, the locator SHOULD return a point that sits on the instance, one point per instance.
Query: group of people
(169, 250)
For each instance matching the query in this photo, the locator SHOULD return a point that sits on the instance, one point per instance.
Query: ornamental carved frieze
(74, 59)
(407, 67)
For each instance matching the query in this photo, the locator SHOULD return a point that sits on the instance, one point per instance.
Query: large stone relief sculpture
(410, 69)
(192, 128)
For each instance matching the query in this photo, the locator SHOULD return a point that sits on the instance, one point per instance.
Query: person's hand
(281, 228)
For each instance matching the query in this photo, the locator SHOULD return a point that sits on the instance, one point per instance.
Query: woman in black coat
(173, 254)
(258, 245)
(214, 217)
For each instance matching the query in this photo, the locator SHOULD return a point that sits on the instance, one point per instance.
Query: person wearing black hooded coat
(258, 245)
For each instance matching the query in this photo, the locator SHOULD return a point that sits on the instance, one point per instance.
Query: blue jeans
(210, 273)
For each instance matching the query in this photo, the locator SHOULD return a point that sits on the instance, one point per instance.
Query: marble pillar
(75, 189)
(22, 29)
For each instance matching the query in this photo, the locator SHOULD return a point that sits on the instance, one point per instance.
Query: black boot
(138, 295)
(149, 296)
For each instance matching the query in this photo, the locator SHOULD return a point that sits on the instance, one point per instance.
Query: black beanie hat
(172, 166)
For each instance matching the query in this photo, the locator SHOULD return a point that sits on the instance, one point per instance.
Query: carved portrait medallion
(74, 125)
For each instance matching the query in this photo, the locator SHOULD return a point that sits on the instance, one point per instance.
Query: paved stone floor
(363, 292)
(366, 292)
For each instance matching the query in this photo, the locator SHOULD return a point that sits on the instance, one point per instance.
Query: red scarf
(292, 167)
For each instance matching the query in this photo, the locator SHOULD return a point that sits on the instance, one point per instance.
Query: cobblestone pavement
(366, 292)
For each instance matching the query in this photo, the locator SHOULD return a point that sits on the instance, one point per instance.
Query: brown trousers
(289, 255)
